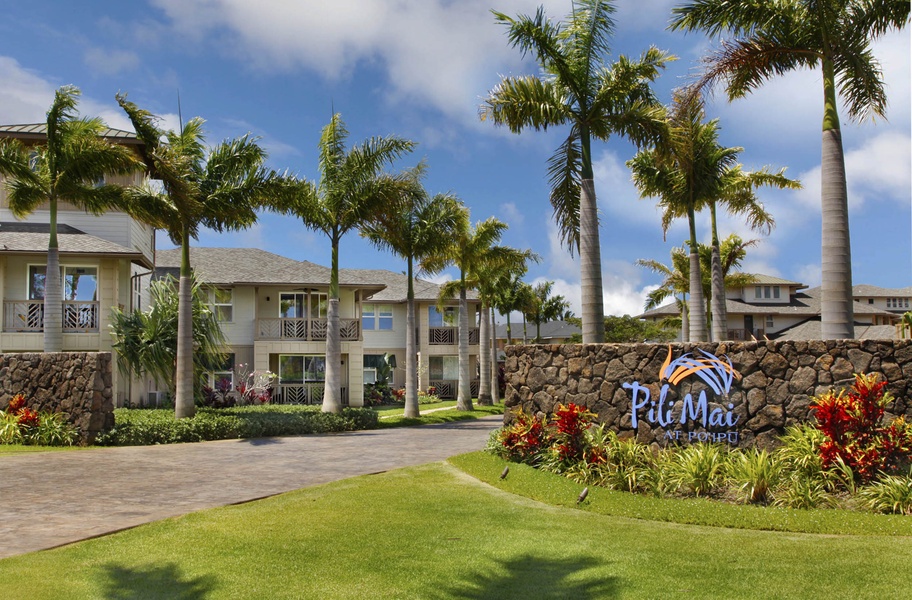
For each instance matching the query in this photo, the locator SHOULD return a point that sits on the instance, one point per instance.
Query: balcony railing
(449, 336)
(28, 316)
(447, 388)
(302, 393)
(307, 330)
(740, 335)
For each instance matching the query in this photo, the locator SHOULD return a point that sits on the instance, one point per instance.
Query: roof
(38, 131)
(551, 330)
(762, 279)
(252, 266)
(810, 330)
(396, 290)
(872, 291)
(33, 238)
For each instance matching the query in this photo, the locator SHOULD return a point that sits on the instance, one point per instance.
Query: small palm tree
(67, 168)
(773, 38)
(512, 294)
(352, 190)
(414, 227)
(579, 88)
(544, 307)
(220, 188)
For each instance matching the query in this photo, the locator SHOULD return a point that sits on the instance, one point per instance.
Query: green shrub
(142, 427)
(800, 450)
(802, 491)
(754, 474)
(889, 494)
(53, 430)
(9, 428)
(698, 469)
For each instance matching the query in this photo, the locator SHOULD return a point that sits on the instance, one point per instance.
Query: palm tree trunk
(685, 321)
(836, 310)
(464, 386)
(591, 266)
(718, 310)
(332, 390)
(495, 383)
(183, 390)
(509, 330)
(484, 358)
(53, 295)
(411, 362)
(697, 303)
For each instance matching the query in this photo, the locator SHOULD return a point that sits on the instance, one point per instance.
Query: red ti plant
(524, 439)
(569, 431)
(852, 422)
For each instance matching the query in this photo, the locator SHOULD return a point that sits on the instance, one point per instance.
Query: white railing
(28, 316)
(302, 393)
(446, 388)
(305, 329)
(449, 336)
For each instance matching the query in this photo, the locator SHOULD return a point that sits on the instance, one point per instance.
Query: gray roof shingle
(32, 238)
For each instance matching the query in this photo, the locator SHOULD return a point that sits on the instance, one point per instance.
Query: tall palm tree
(470, 249)
(353, 188)
(773, 38)
(544, 307)
(498, 265)
(67, 168)
(512, 295)
(220, 188)
(579, 88)
(414, 227)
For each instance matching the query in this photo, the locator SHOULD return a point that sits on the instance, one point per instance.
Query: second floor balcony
(449, 336)
(305, 330)
(27, 316)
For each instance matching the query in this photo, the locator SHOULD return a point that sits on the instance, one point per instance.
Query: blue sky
(419, 69)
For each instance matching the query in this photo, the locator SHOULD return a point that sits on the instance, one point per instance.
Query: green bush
(754, 473)
(698, 469)
(889, 494)
(142, 427)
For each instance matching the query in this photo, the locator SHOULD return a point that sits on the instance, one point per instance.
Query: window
(766, 291)
(870, 300)
(221, 301)
(776, 292)
(223, 379)
(79, 283)
(299, 368)
(371, 362)
(769, 322)
(377, 316)
(757, 292)
(448, 318)
(297, 305)
(443, 367)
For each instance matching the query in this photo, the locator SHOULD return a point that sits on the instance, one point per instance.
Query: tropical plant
(513, 294)
(773, 38)
(472, 249)
(220, 188)
(699, 469)
(543, 307)
(627, 330)
(146, 342)
(67, 168)
(579, 88)
(754, 473)
(414, 226)
(352, 190)
(889, 494)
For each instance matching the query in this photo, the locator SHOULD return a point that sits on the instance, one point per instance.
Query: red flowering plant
(16, 404)
(524, 439)
(27, 417)
(852, 421)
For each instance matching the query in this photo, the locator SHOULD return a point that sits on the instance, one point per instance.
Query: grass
(399, 409)
(443, 416)
(20, 449)
(442, 534)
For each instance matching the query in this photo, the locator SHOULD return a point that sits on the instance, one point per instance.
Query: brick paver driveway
(53, 498)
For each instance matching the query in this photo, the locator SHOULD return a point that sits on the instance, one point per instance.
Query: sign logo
(716, 373)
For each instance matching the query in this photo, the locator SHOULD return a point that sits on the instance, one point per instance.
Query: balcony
(741, 335)
(302, 393)
(449, 336)
(305, 330)
(446, 388)
(27, 316)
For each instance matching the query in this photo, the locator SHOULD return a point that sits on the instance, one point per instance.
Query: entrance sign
(717, 374)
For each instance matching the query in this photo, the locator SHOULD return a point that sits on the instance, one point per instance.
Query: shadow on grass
(153, 581)
(535, 577)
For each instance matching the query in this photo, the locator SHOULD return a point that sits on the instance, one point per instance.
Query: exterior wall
(776, 383)
(75, 384)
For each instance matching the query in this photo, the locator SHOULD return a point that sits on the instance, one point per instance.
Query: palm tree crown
(596, 99)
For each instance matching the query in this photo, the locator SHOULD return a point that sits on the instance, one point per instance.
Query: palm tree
(544, 307)
(415, 227)
(352, 189)
(597, 99)
(691, 171)
(470, 250)
(67, 168)
(773, 38)
(496, 267)
(220, 188)
(146, 341)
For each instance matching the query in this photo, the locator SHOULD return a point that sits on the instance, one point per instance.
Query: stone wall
(77, 384)
(765, 387)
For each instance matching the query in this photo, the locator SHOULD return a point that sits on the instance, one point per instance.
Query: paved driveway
(52, 498)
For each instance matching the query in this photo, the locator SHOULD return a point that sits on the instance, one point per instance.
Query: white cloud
(110, 62)
(808, 274)
(617, 196)
(511, 214)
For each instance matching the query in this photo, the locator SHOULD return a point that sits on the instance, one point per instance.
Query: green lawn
(399, 409)
(434, 532)
(442, 416)
(20, 449)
